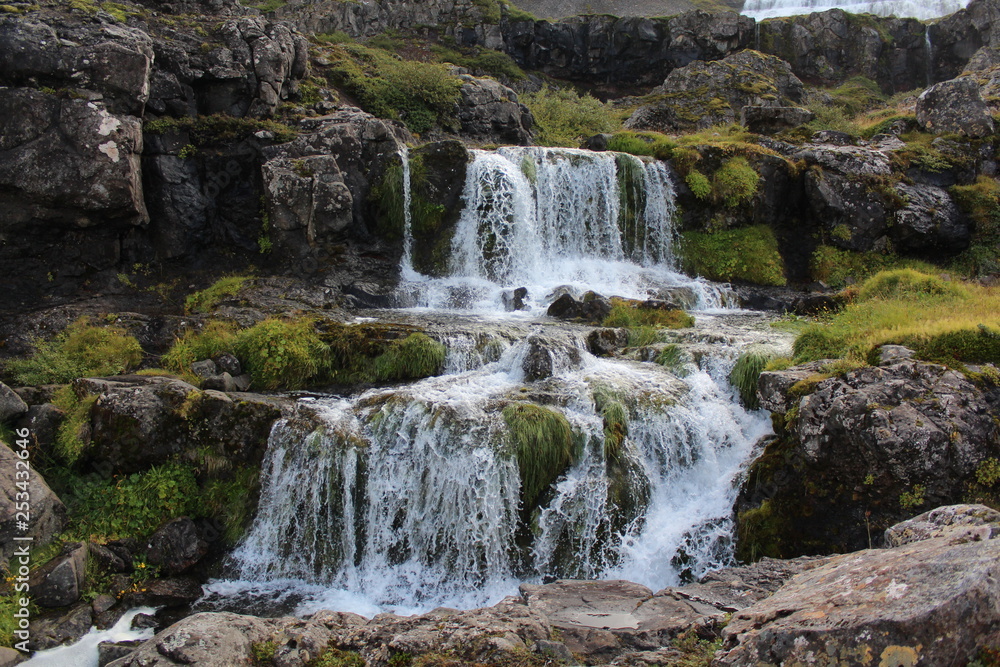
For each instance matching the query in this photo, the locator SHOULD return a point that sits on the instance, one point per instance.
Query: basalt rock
(437, 180)
(857, 453)
(956, 38)
(956, 107)
(176, 546)
(489, 112)
(930, 222)
(709, 93)
(48, 514)
(828, 47)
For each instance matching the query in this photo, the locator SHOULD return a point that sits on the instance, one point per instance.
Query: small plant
(215, 338)
(69, 442)
(914, 498)
(745, 373)
(189, 150)
(263, 652)
(988, 472)
(81, 350)
(281, 353)
(699, 184)
(564, 118)
(735, 182)
(333, 657)
(543, 446)
(626, 314)
(206, 300)
(416, 356)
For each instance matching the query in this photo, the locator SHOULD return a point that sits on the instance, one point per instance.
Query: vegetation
(981, 202)
(942, 320)
(481, 62)
(422, 95)
(215, 338)
(837, 267)
(653, 144)
(206, 300)
(543, 446)
(745, 373)
(334, 657)
(632, 315)
(735, 182)
(565, 118)
(615, 417)
(416, 356)
(81, 350)
(69, 443)
(219, 128)
(748, 254)
(281, 353)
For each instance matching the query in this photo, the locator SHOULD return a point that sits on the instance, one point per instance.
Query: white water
(923, 10)
(84, 653)
(545, 218)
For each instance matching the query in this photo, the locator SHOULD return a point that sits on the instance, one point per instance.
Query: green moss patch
(208, 299)
(543, 446)
(748, 254)
(219, 128)
(565, 118)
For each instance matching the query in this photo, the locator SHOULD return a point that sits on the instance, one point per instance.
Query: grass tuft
(565, 118)
(206, 300)
(745, 373)
(543, 447)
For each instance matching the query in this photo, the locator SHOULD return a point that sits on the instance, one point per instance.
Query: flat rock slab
(932, 602)
(599, 619)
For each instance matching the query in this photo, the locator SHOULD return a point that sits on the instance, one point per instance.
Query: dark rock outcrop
(437, 178)
(930, 222)
(773, 119)
(956, 107)
(955, 39)
(708, 93)
(489, 112)
(11, 405)
(860, 452)
(60, 627)
(59, 582)
(48, 514)
(176, 546)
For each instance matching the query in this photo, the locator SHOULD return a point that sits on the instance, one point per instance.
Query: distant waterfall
(767, 9)
(544, 218)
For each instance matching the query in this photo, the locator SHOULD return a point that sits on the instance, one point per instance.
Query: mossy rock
(437, 178)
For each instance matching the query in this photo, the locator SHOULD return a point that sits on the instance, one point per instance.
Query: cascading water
(768, 9)
(544, 218)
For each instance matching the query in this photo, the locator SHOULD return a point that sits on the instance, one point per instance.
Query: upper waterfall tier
(768, 9)
(544, 218)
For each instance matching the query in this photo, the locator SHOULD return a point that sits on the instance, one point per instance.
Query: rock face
(771, 120)
(437, 179)
(176, 546)
(12, 406)
(929, 222)
(930, 602)
(954, 106)
(48, 514)
(956, 38)
(827, 47)
(708, 93)
(860, 452)
(977, 522)
(489, 111)
(59, 582)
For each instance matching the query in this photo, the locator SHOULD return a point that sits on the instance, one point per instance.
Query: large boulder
(176, 546)
(48, 514)
(489, 112)
(60, 582)
(12, 406)
(955, 107)
(929, 602)
(708, 93)
(859, 452)
(930, 222)
(825, 48)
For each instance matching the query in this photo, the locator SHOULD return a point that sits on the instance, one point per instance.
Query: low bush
(215, 338)
(206, 300)
(81, 350)
(909, 284)
(735, 182)
(653, 144)
(837, 267)
(748, 254)
(281, 354)
(565, 118)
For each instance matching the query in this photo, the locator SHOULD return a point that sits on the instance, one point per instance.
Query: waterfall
(407, 261)
(410, 497)
(549, 218)
(929, 48)
(767, 9)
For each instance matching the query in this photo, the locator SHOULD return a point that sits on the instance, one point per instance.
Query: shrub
(81, 350)
(215, 338)
(735, 182)
(281, 354)
(207, 299)
(565, 118)
(748, 254)
(699, 184)
(642, 143)
(543, 446)
(909, 284)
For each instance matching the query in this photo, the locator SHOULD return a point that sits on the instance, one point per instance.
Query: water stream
(410, 497)
(767, 9)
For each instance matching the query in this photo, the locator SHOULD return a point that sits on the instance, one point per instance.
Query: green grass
(745, 373)
(219, 128)
(837, 267)
(632, 315)
(280, 353)
(81, 350)
(543, 446)
(748, 254)
(206, 300)
(215, 338)
(481, 62)
(943, 321)
(416, 356)
(653, 144)
(615, 417)
(565, 118)
(70, 444)
(981, 202)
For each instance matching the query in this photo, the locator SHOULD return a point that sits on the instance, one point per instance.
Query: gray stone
(59, 628)
(108, 652)
(11, 405)
(59, 582)
(224, 382)
(489, 112)
(228, 363)
(930, 222)
(48, 514)
(771, 120)
(10, 657)
(176, 546)
(204, 369)
(955, 106)
(975, 522)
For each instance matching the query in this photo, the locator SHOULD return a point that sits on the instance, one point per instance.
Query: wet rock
(958, 37)
(974, 521)
(440, 185)
(169, 592)
(771, 120)
(854, 448)
(605, 342)
(48, 514)
(11, 405)
(228, 363)
(176, 546)
(954, 106)
(59, 582)
(515, 300)
(591, 308)
(102, 603)
(709, 93)
(109, 560)
(60, 628)
(929, 222)
(143, 621)
(489, 111)
(224, 382)
(892, 605)
(538, 363)
(108, 652)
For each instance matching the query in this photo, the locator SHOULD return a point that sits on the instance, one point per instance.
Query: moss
(699, 184)
(73, 434)
(633, 315)
(232, 500)
(760, 533)
(748, 254)
(837, 267)
(735, 182)
(819, 342)
(281, 354)
(209, 298)
(981, 202)
(543, 446)
(416, 356)
(652, 144)
(220, 128)
(745, 373)
(389, 199)
(909, 284)
(81, 350)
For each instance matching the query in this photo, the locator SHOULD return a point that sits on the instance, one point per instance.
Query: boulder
(60, 627)
(10, 657)
(108, 652)
(930, 222)
(591, 308)
(168, 592)
(709, 93)
(956, 38)
(142, 421)
(933, 602)
(436, 186)
(771, 120)
(975, 521)
(48, 514)
(11, 405)
(825, 48)
(42, 422)
(59, 582)
(489, 112)
(955, 107)
(859, 452)
(176, 546)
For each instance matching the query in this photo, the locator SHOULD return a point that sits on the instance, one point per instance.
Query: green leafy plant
(281, 353)
(735, 182)
(213, 339)
(565, 118)
(81, 350)
(914, 498)
(206, 300)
